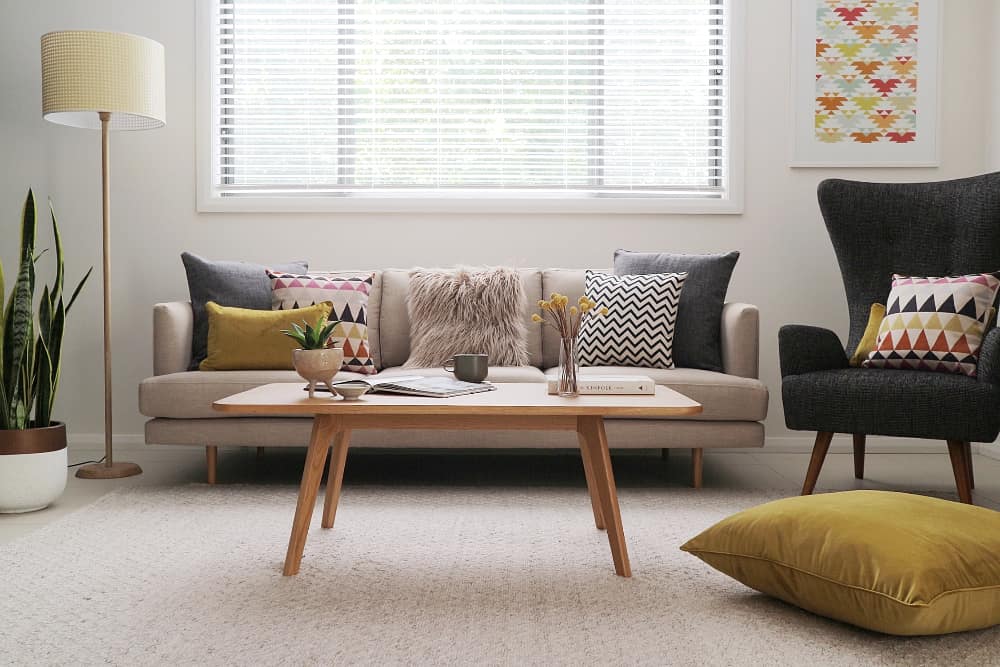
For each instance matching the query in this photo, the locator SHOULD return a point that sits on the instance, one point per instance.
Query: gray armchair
(877, 229)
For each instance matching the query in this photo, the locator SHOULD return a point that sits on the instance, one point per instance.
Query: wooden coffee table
(514, 406)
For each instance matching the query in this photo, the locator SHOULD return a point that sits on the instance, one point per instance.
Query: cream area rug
(410, 575)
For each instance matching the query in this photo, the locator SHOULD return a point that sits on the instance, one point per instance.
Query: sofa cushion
(189, 395)
(243, 339)
(394, 321)
(348, 297)
(723, 397)
(638, 322)
(467, 310)
(239, 284)
(497, 373)
(696, 342)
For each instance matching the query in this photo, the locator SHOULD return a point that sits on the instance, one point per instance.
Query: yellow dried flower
(585, 306)
(563, 300)
(554, 296)
(603, 310)
(544, 305)
(536, 318)
(582, 300)
(573, 310)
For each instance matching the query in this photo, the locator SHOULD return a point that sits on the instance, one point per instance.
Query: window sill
(213, 203)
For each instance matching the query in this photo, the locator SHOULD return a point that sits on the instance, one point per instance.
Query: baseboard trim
(791, 444)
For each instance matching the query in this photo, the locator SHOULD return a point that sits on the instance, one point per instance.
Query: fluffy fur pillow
(466, 311)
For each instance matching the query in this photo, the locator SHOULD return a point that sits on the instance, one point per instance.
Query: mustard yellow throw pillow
(893, 562)
(867, 343)
(240, 339)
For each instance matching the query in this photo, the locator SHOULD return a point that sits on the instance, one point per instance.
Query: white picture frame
(870, 68)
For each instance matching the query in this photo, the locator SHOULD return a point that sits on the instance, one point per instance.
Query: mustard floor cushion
(897, 563)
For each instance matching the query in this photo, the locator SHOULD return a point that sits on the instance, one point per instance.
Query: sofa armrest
(989, 357)
(173, 324)
(740, 338)
(805, 349)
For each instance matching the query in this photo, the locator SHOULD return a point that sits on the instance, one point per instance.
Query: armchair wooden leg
(859, 456)
(697, 460)
(960, 466)
(820, 449)
(968, 458)
(212, 458)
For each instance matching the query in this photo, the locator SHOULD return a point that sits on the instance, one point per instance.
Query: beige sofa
(179, 402)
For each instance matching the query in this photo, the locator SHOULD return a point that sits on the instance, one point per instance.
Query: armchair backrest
(921, 229)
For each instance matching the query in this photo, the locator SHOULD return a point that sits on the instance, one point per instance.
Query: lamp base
(116, 470)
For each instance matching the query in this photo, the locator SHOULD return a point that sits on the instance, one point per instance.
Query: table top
(510, 398)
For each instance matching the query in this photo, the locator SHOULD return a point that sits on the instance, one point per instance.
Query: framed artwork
(865, 83)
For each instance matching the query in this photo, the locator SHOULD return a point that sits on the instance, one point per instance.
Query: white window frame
(210, 201)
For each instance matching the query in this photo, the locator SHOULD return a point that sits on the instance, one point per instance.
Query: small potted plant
(316, 360)
(32, 445)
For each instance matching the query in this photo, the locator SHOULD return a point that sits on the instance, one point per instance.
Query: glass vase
(569, 368)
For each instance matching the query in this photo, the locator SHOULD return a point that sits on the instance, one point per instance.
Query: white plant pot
(31, 481)
(318, 366)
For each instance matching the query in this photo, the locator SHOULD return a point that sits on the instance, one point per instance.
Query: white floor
(172, 466)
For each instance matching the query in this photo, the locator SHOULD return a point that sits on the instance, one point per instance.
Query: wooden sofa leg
(968, 458)
(697, 460)
(212, 458)
(859, 456)
(664, 453)
(960, 466)
(820, 449)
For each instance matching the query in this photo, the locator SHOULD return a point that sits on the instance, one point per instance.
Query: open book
(418, 385)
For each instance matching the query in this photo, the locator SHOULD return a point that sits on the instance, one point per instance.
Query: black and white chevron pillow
(639, 327)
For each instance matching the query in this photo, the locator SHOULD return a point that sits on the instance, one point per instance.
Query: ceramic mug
(469, 367)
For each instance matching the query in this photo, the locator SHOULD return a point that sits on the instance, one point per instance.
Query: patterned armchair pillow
(935, 324)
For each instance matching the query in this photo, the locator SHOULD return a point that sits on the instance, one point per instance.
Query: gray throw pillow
(697, 340)
(236, 284)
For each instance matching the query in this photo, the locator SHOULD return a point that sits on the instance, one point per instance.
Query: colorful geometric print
(349, 296)
(935, 324)
(866, 71)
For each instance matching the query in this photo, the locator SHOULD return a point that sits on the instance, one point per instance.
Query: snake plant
(32, 343)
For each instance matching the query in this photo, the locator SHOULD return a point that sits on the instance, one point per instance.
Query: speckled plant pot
(318, 366)
(32, 468)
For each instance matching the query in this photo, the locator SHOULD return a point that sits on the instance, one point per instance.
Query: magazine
(419, 385)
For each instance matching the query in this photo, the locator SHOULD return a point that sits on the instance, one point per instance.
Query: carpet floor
(416, 575)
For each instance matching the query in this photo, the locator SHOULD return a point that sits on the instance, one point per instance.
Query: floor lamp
(107, 81)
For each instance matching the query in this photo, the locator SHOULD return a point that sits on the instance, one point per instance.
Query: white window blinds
(545, 98)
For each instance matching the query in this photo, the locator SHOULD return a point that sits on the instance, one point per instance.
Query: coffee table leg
(591, 430)
(324, 426)
(335, 476)
(588, 472)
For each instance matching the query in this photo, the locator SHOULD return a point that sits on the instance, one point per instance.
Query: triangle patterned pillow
(349, 296)
(935, 324)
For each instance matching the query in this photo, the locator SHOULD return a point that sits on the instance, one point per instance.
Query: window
(452, 104)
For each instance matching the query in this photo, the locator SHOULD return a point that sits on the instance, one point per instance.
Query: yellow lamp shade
(85, 72)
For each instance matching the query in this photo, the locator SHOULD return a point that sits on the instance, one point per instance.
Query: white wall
(787, 268)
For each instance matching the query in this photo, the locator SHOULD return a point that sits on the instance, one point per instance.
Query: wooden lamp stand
(109, 468)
